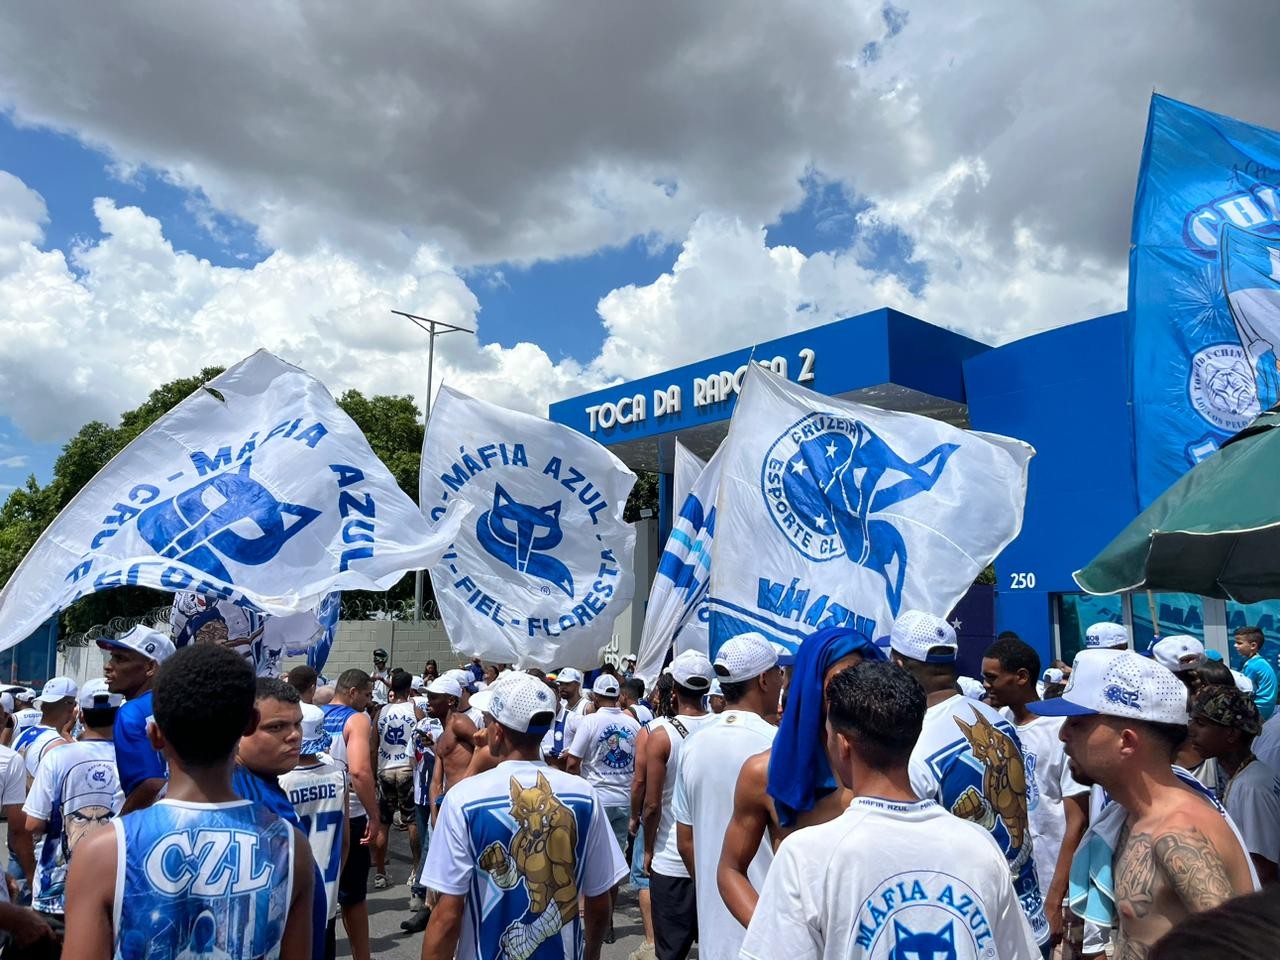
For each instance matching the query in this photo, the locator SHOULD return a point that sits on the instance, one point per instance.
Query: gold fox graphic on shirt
(1004, 780)
(543, 852)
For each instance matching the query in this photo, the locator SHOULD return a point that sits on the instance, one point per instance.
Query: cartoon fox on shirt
(543, 853)
(1004, 780)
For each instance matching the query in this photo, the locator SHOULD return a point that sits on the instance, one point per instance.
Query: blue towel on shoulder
(799, 771)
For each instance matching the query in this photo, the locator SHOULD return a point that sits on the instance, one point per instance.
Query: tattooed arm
(1194, 868)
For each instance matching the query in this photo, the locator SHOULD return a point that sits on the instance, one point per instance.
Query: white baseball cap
(1119, 683)
(482, 699)
(518, 704)
(1243, 683)
(1179, 652)
(463, 678)
(315, 738)
(924, 637)
(714, 690)
(1106, 636)
(6, 702)
(693, 671)
(59, 688)
(569, 675)
(416, 683)
(95, 695)
(152, 644)
(605, 686)
(446, 685)
(973, 689)
(1053, 675)
(745, 656)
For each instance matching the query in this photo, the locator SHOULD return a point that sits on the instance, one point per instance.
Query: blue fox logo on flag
(508, 532)
(1251, 281)
(229, 516)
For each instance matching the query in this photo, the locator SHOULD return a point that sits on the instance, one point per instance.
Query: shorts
(353, 884)
(395, 794)
(675, 900)
(638, 879)
(620, 820)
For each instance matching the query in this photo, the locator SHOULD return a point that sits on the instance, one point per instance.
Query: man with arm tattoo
(1177, 852)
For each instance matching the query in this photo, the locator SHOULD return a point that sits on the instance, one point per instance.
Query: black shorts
(674, 899)
(353, 884)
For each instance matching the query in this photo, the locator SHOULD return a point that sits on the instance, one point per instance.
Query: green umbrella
(1216, 532)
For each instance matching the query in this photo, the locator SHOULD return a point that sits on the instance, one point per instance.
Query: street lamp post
(434, 328)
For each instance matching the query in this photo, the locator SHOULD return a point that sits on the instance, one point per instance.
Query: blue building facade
(1065, 391)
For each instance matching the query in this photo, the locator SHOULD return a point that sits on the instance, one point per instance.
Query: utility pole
(433, 328)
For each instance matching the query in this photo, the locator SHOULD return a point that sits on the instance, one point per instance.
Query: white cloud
(15, 462)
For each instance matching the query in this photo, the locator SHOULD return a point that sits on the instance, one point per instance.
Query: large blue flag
(1204, 287)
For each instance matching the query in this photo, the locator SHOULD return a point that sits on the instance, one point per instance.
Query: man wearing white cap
(1173, 850)
(670, 887)
(707, 773)
(76, 790)
(569, 680)
(1106, 635)
(317, 788)
(968, 757)
(520, 843)
(130, 668)
(604, 753)
(456, 743)
(24, 714)
(57, 703)
(1178, 653)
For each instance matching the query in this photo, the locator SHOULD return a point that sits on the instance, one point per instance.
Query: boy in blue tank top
(204, 872)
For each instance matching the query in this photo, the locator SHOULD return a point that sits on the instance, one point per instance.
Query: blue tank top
(335, 717)
(202, 880)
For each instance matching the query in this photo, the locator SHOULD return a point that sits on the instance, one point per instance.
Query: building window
(1177, 613)
(1076, 613)
(1265, 615)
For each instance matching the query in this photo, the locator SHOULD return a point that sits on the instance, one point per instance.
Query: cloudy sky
(601, 190)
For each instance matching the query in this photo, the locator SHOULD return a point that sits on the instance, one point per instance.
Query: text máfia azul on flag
(542, 568)
(832, 513)
(1204, 287)
(257, 489)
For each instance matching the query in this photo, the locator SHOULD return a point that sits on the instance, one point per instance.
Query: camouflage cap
(1227, 707)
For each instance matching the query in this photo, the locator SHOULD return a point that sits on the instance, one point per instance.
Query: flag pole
(433, 328)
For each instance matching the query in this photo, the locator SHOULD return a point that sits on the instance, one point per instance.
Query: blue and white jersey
(969, 760)
(202, 880)
(522, 842)
(34, 743)
(336, 716)
(23, 719)
(318, 793)
(426, 734)
(136, 759)
(76, 791)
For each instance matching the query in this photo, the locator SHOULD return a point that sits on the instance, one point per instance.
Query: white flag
(543, 569)
(832, 513)
(257, 489)
(688, 468)
(677, 607)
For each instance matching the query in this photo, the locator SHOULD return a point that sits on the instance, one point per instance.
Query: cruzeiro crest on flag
(827, 476)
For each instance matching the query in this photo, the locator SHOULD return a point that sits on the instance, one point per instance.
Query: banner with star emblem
(832, 513)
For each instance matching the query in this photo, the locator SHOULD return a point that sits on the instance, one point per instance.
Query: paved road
(388, 907)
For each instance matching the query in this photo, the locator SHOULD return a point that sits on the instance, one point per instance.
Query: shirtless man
(821, 657)
(455, 745)
(1176, 852)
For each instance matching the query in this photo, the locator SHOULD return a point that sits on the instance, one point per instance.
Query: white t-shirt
(318, 793)
(34, 743)
(666, 857)
(395, 724)
(644, 716)
(889, 880)
(427, 733)
(1049, 782)
(966, 754)
(75, 791)
(1266, 745)
(22, 719)
(706, 777)
(476, 716)
(481, 847)
(1253, 801)
(606, 743)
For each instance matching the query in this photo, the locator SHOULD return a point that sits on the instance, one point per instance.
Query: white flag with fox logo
(256, 489)
(543, 566)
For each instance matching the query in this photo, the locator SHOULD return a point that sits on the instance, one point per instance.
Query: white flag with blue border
(543, 567)
(688, 468)
(677, 610)
(257, 489)
(832, 513)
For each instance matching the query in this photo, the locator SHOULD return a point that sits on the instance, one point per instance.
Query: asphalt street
(388, 907)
